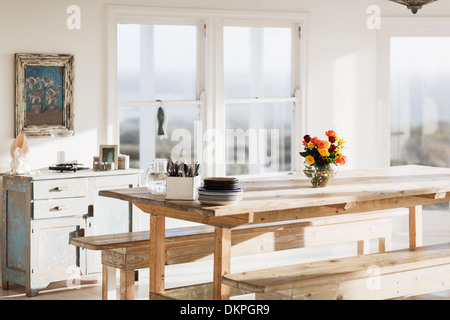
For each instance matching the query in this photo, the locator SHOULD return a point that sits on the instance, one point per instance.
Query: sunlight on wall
(43, 151)
(345, 103)
(5, 160)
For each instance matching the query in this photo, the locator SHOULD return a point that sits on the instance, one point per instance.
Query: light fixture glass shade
(413, 5)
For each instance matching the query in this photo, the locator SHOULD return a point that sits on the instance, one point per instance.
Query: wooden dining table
(289, 198)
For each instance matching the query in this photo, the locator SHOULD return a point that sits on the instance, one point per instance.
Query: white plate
(227, 192)
(217, 203)
(223, 197)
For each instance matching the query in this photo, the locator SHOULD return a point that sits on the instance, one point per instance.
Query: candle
(61, 157)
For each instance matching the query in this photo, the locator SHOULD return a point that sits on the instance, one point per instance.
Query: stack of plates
(219, 191)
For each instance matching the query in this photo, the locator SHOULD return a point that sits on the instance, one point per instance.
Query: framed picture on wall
(109, 154)
(44, 94)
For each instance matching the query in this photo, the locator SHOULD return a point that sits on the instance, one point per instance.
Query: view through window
(164, 66)
(257, 66)
(155, 62)
(420, 102)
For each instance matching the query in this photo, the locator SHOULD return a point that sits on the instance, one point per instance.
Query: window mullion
(147, 151)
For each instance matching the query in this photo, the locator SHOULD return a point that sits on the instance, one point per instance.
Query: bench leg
(222, 253)
(415, 227)
(127, 284)
(363, 247)
(108, 283)
(385, 244)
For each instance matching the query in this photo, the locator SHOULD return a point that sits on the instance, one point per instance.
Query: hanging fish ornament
(162, 121)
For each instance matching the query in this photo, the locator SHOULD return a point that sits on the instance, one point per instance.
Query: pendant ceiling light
(414, 5)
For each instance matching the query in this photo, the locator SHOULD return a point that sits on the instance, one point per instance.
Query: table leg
(415, 227)
(222, 253)
(157, 254)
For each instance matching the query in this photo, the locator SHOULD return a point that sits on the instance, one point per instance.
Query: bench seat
(130, 251)
(384, 275)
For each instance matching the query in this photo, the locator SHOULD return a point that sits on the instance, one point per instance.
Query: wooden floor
(89, 288)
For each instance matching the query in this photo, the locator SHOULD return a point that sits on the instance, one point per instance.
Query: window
(420, 103)
(207, 70)
(156, 67)
(259, 108)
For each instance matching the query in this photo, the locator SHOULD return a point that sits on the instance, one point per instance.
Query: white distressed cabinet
(42, 212)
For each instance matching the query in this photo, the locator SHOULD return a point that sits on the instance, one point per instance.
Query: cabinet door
(109, 215)
(52, 257)
(16, 231)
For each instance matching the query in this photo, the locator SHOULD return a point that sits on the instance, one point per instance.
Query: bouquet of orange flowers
(320, 153)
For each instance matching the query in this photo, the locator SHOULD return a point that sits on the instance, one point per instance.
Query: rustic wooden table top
(349, 191)
(293, 191)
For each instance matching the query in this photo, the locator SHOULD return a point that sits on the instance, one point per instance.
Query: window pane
(156, 62)
(258, 138)
(129, 64)
(257, 62)
(129, 134)
(420, 102)
(139, 139)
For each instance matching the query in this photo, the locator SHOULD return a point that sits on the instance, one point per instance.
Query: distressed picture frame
(44, 94)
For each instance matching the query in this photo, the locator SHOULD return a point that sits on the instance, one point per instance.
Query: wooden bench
(130, 251)
(385, 275)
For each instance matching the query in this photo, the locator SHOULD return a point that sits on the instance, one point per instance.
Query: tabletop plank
(349, 189)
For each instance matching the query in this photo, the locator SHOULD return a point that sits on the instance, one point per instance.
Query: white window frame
(295, 74)
(213, 103)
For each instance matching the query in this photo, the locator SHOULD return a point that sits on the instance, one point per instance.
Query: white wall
(40, 27)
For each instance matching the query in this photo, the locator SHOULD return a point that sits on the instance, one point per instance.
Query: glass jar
(155, 176)
(320, 176)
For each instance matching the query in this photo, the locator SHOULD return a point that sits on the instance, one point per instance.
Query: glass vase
(320, 176)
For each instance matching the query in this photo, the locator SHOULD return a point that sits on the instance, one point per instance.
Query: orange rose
(341, 160)
(315, 140)
(330, 133)
(322, 144)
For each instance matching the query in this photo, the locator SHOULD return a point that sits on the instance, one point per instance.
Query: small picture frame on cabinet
(109, 154)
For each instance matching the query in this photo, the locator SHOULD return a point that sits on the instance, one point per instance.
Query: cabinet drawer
(60, 188)
(43, 209)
